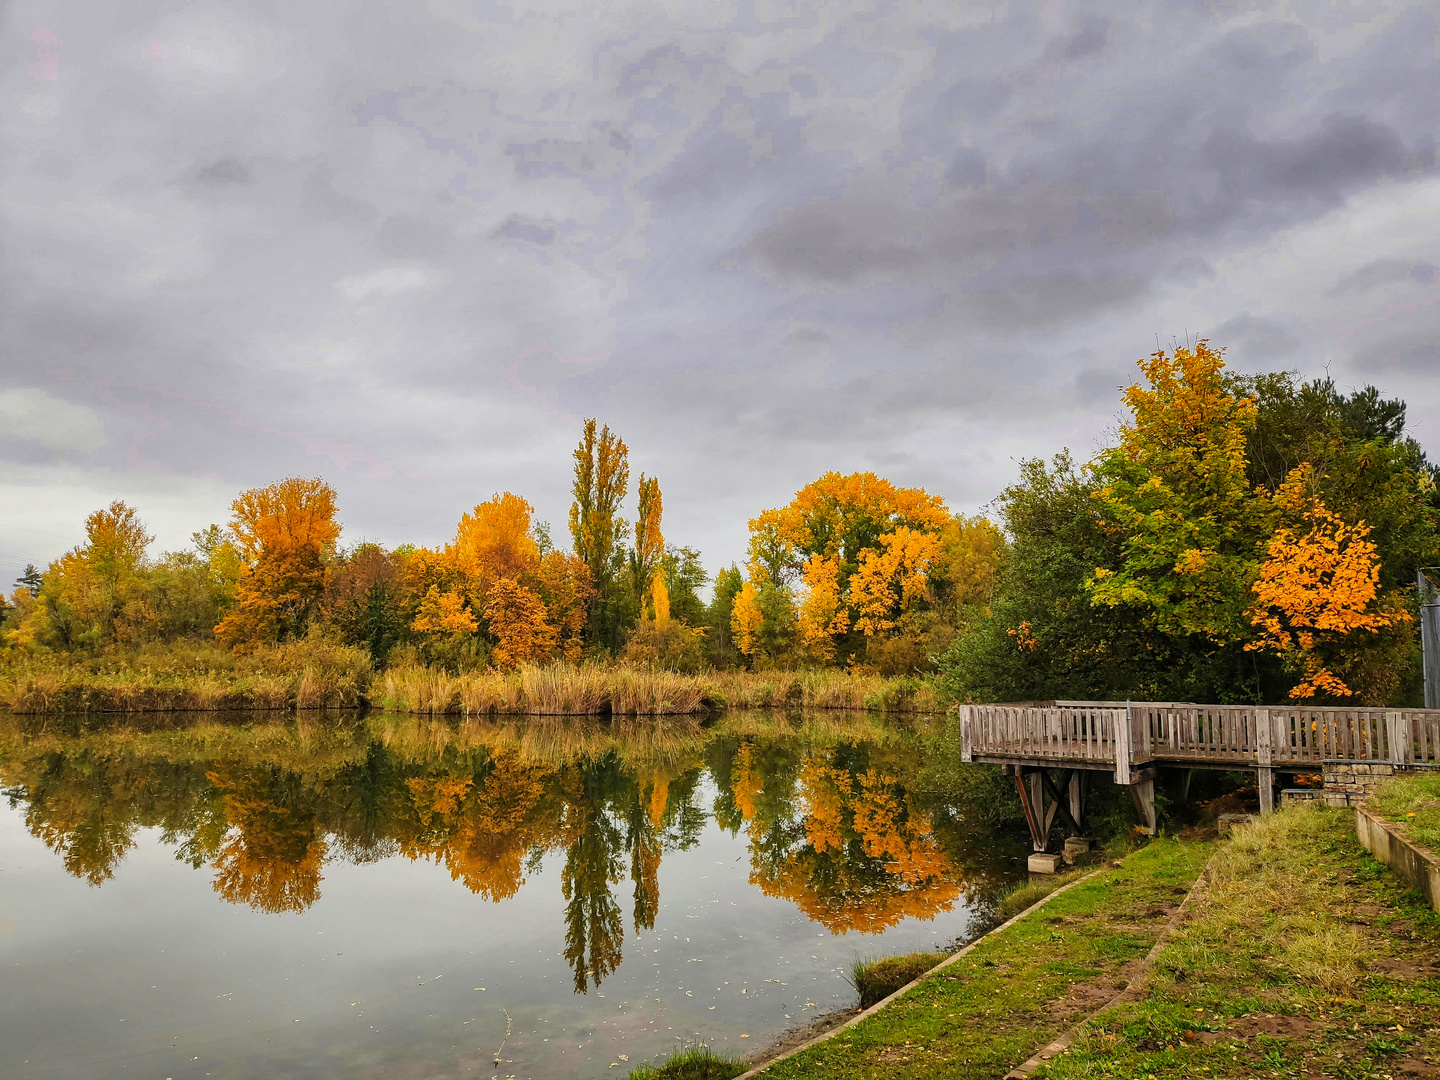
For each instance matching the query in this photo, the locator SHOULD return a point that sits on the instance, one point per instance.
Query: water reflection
(832, 817)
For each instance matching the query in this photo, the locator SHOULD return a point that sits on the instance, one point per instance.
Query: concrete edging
(873, 1009)
(1411, 862)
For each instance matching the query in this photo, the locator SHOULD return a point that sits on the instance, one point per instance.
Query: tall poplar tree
(602, 478)
(649, 547)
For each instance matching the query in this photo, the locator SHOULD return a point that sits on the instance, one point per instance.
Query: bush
(670, 645)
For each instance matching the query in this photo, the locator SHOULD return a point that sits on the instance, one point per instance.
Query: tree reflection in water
(833, 823)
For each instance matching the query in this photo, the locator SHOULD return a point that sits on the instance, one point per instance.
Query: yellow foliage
(834, 515)
(822, 612)
(494, 541)
(517, 619)
(892, 580)
(660, 599)
(1315, 590)
(444, 613)
(745, 618)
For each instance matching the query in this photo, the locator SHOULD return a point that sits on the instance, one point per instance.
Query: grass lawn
(1017, 990)
(1306, 958)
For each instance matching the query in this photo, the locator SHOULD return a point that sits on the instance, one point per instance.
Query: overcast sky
(410, 247)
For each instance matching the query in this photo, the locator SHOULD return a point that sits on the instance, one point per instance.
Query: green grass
(875, 980)
(1307, 958)
(1019, 988)
(1025, 894)
(692, 1063)
(1414, 802)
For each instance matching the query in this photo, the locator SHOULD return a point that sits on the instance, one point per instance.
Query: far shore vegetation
(1244, 538)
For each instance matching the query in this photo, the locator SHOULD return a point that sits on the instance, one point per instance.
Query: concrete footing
(1044, 863)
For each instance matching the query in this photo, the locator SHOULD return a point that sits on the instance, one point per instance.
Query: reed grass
(875, 980)
(196, 677)
(314, 674)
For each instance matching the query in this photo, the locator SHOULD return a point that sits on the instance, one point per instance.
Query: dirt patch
(1277, 1027)
(1084, 998)
(1398, 968)
(790, 1038)
(1413, 1066)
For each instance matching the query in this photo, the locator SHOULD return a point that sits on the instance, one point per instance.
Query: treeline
(502, 594)
(1246, 538)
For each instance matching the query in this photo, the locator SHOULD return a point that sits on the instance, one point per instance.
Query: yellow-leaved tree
(745, 619)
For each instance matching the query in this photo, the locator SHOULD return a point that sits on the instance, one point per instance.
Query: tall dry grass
(1263, 889)
(184, 677)
(313, 674)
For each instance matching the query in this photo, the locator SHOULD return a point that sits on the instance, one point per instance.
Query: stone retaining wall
(1349, 783)
(1409, 860)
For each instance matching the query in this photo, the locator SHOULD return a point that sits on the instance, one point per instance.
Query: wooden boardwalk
(1133, 739)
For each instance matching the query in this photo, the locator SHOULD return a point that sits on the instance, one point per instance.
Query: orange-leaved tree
(493, 580)
(285, 533)
(858, 551)
(1315, 599)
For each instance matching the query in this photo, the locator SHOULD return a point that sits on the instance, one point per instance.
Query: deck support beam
(1042, 800)
(1265, 782)
(1142, 792)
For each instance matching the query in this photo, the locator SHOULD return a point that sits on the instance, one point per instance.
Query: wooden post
(1121, 743)
(1077, 798)
(1186, 777)
(1143, 792)
(1265, 781)
(967, 738)
(1397, 734)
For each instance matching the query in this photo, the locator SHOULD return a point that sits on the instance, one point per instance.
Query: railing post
(1397, 735)
(967, 723)
(1262, 737)
(1121, 743)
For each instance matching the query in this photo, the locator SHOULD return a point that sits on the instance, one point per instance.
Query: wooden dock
(1132, 740)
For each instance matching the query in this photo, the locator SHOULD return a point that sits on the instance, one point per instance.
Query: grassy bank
(1019, 988)
(1306, 958)
(1303, 957)
(314, 674)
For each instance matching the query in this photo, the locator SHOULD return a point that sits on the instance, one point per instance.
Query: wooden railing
(1128, 734)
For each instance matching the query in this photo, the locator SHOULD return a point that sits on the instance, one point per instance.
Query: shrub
(670, 645)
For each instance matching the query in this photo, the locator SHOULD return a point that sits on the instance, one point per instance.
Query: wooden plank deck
(1126, 736)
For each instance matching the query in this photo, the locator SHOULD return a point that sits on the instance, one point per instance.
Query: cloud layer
(411, 247)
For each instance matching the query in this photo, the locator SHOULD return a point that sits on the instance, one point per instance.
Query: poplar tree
(602, 478)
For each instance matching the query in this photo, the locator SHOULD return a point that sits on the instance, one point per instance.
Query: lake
(382, 896)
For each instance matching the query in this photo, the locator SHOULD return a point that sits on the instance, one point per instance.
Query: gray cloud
(412, 248)
(1386, 272)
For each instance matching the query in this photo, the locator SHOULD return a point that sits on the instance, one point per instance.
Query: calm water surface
(389, 898)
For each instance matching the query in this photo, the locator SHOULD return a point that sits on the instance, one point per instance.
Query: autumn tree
(649, 549)
(597, 531)
(285, 534)
(492, 582)
(1176, 489)
(745, 619)
(95, 593)
(1315, 604)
